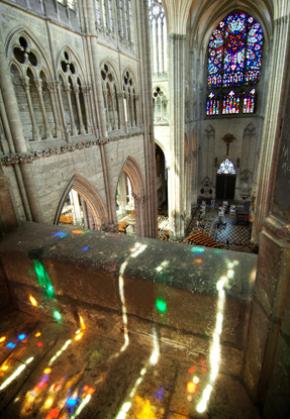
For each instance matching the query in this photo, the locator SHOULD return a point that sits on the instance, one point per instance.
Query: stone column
(38, 84)
(68, 92)
(176, 197)
(122, 189)
(61, 90)
(76, 91)
(35, 132)
(272, 124)
(86, 93)
(98, 101)
(52, 89)
(149, 215)
(120, 97)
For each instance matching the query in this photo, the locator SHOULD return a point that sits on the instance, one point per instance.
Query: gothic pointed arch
(92, 198)
(132, 170)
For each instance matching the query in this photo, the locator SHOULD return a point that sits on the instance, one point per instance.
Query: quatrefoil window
(23, 54)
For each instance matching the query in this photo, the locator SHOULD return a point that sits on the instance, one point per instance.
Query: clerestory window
(234, 65)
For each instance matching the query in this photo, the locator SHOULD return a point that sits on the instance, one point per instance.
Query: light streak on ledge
(16, 373)
(215, 350)
(135, 252)
(153, 360)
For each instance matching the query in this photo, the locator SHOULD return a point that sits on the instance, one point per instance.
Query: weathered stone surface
(269, 269)
(277, 403)
(258, 333)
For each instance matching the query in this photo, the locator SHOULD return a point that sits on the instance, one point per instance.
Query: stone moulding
(10, 159)
(17, 158)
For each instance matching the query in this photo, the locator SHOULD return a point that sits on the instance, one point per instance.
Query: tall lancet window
(158, 34)
(234, 65)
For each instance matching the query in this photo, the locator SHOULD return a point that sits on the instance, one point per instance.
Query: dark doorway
(161, 181)
(225, 186)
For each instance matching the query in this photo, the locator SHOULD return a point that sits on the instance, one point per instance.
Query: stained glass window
(234, 65)
(227, 168)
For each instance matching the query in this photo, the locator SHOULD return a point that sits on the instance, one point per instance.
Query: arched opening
(81, 206)
(226, 180)
(125, 204)
(161, 182)
(129, 199)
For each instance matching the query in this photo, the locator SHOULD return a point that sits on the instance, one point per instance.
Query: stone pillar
(272, 124)
(68, 92)
(122, 189)
(86, 93)
(35, 132)
(150, 204)
(38, 84)
(52, 89)
(76, 91)
(60, 91)
(98, 100)
(176, 173)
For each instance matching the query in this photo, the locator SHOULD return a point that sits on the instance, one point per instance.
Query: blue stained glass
(235, 51)
(234, 59)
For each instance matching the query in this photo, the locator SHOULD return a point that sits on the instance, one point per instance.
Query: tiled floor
(231, 232)
(50, 371)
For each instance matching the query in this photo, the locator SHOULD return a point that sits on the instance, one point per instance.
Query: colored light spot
(159, 394)
(48, 403)
(47, 370)
(191, 387)
(43, 278)
(4, 367)
(161, 305)
(60, 234)
(57, 315)
(82, 323)
(191, 370)
(53, 414)
(197, 249)
(77, 232)
(198, 261)
(33, 301)
(85, 248)
(79, 335)
(38, 334)
(22, 336)
(40, 344)
(71, 402)
(11, 345)
(2, 339)
(195, 380)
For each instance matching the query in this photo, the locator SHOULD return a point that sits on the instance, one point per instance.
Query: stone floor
(49, 370)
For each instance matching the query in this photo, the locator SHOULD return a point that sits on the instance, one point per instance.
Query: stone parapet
(174, 286)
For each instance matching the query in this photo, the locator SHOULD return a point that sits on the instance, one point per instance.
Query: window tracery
(108, 24)
(234, 65)
(226, 168)
(111, 98)
(158, 32)
(72, 93)
(160, 106)
(34, 99)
